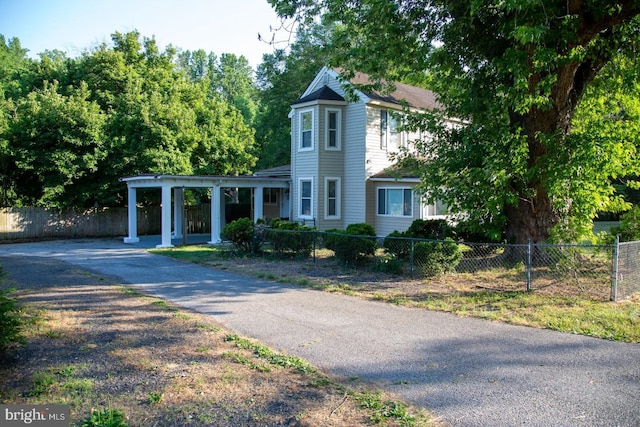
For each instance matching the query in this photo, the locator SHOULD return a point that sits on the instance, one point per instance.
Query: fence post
(614, 272)
(411, 256)
(528, 265)
(313, 237)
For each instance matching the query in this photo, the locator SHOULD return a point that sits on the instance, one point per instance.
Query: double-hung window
(395, 201)
(306, 130)
(389, 133)
(333, 120)
(332, 198)
(306, 197)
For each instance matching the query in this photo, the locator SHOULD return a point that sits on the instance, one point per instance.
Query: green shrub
(437, 258)
(629, 228)
(11, 323)
(353, 245)
(290, 238)
(389, 264)
(240, 233)
(397, 244)
(436, 229)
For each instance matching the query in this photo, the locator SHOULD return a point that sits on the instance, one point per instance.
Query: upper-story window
(306, 130)
(333, 125)
(390, 136)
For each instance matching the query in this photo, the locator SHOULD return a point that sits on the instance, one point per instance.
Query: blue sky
(219, 26)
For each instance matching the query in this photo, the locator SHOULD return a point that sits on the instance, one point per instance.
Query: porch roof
(203, 181)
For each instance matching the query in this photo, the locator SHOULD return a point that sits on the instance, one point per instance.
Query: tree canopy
(69, 128)
(512, 75)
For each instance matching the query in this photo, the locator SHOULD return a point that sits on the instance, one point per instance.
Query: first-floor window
(395, 201)
(332, 205)
(306, 190)
(436, 209)
(270, 196)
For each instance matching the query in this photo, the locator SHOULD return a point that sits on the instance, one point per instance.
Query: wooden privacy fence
(39, 223)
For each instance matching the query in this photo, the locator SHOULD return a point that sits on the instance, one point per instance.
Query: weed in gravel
(104, 418)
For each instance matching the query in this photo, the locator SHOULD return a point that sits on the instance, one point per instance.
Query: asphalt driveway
(470, 372)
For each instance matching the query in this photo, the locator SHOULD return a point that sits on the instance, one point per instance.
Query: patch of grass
(264, 352)
(608, 320)
(164, 305)
(384, 409)
(154, 398)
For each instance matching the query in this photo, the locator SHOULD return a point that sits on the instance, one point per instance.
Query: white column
(258, 203)
(217, 214)
(166, 217)
(178, 212)
(132, 216)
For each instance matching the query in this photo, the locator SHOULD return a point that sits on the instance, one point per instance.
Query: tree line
(70, 127)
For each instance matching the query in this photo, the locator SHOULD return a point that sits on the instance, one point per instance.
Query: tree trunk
(531, 219)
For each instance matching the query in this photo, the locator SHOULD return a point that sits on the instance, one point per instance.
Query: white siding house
(340, 152)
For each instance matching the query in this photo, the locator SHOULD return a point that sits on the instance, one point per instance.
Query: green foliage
(281, 78)
(436, 229)
(240, 233)
(11, 324)
(629, 228)
(105, 418)
(290, 238)
(69, 128)
(390, 264)
(437, 258)
(352, 245)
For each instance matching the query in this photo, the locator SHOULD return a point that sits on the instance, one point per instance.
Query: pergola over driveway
(178, 183)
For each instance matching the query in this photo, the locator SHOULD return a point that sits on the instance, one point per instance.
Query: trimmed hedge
(352, 245)
(296, 239)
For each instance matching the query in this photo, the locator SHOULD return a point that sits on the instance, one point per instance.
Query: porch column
(132, 216)
(166, 217)
(178, 212)
(216, 215)
(258, 203)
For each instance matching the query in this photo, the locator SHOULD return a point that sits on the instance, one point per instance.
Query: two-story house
(340, 155)
(340, 158)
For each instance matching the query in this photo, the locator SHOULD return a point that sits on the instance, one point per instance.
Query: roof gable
(325, 93)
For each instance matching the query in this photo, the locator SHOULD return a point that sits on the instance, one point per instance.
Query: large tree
(512, 73)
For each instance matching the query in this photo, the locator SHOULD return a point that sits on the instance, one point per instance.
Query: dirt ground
(94, 344)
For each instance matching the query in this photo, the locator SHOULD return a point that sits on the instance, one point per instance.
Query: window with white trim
(436, 210)
(389, 133)
(332, 198)
(306, 197)
(333, 125)
(306, 130)
(395, 201)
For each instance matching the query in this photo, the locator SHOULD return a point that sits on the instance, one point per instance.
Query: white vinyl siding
(356, 169)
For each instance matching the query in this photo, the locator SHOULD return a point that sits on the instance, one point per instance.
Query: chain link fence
(599, 272)
(626, 271)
